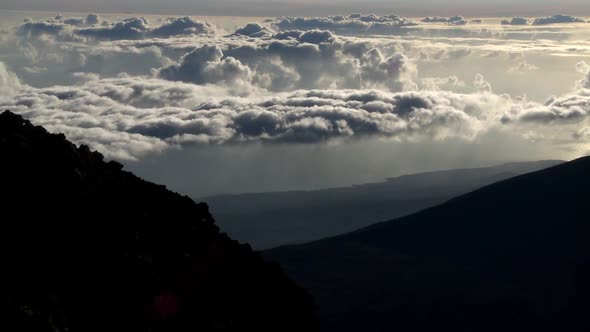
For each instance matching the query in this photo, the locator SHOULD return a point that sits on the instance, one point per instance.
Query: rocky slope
(87, 246)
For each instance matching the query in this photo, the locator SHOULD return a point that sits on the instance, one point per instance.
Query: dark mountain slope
(271, 219)
(512, 256)
(89, 247)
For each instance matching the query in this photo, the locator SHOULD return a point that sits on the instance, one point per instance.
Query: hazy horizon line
(318, 10)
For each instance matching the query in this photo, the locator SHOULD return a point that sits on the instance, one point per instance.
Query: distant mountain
(87, 246)
(272, 219)
(512, 256)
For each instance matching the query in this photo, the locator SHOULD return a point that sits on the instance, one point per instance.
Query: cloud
(181, 26)
(130, 88)
(440, 54)
(129, 28)
(129, 117)
(583, 134)
(481, 84)
(296, 59)
(9, 82)
(395, 72)
(205, 65)
(453, 20)
(557, 19)
(314, 36)
(521, 65)
(442, 83)
(583, 68)
(93, 19)
(515, 21)
(355, 24)
(255, 30)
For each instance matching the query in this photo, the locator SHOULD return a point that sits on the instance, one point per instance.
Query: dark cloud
(515, 21)
(557, 19)
(453, 20)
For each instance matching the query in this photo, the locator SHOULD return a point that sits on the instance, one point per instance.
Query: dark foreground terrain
(512, 256)
(87, 246)
(267, 220)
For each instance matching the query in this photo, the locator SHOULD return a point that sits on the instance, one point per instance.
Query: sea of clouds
(131, 88)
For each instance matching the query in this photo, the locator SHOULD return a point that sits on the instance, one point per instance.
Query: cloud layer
(133, 88)
(127, 118)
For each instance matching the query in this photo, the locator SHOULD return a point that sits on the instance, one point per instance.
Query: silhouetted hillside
(272, 219)
(89, 247)
(512, 256)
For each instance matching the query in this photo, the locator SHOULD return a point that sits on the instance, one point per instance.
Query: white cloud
(481, 84)
(522, 65)
(9, 82)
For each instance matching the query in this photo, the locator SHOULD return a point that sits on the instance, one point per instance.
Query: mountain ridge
(268, 220)
(510, 256)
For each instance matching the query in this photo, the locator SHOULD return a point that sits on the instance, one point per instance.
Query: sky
(210, 105)
(308, 7)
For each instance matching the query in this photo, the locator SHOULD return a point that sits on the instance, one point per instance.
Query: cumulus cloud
(395, 72)
(296, 59)
(559, 18)
(206, 64)
(255, 30)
